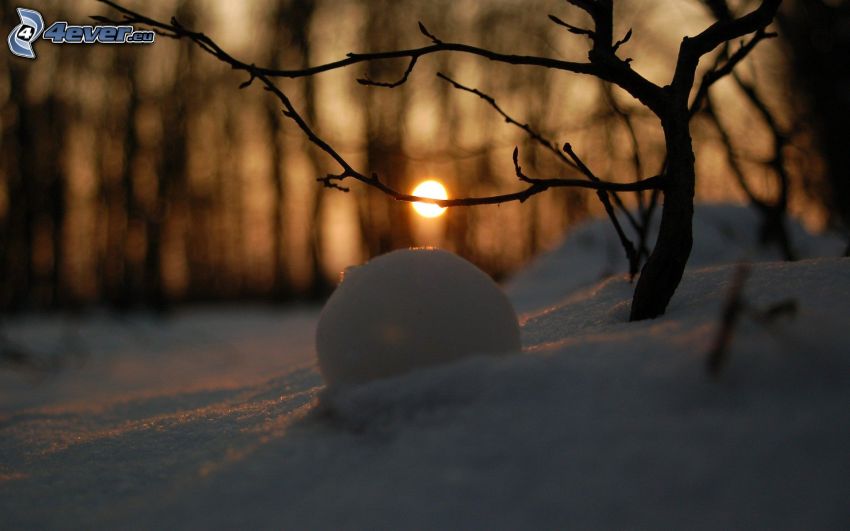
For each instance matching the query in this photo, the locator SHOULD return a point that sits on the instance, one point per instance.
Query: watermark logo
(24, 35)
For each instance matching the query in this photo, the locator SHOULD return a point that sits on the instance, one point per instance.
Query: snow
(411, 308)
(600, 423)
(723, 233)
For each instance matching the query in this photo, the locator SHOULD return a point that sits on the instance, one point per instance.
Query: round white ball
(408, 309)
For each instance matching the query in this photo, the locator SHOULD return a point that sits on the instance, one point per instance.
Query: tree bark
(663, 270)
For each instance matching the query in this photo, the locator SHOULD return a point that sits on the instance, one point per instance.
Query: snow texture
(723, 234)
(219, 419)
(408, 309)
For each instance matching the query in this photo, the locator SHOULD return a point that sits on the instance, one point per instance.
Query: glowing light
(431, 189)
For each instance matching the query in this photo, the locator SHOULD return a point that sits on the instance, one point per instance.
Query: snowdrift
(600, 423)
(723, 234)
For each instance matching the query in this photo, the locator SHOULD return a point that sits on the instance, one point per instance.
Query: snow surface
(723, 233)
(408, 309)
(219, 419)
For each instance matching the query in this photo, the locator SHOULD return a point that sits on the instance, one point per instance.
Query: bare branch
(628, 246)
(428, 34)
(728, 30)
(693, 48)
(177, 31)
(720, 71)
(652, 183)
(573, 161)
(664, 267)
(718, 356)
(572, 29)
(332, 181)
(602, 13)
(611, 68)
(369, 82)
(622, 41)
(734, 309)
(726, 140)
(536, 136)
(626, 118)
(568, 149)
(635, 147)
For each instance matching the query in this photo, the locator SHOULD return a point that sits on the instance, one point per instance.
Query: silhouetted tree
(773, 211)
(671, 104)
(817, 31)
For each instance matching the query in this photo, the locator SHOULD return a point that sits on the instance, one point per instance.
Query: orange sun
(431, 189)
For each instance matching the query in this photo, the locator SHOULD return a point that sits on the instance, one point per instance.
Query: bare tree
(671, 104)
(819, 42)
(773, 211)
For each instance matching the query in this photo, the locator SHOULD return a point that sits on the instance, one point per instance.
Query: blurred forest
(141, 176)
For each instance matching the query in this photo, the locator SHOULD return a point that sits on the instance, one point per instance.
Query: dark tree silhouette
(773, 211)
(672, 104)
(819, 44)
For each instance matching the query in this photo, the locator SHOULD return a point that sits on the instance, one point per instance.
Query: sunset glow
(432, 189)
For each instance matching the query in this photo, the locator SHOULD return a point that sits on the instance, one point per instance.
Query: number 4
(56, 32)
(26, 32)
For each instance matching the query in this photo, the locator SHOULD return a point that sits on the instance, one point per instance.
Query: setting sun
(434, 190)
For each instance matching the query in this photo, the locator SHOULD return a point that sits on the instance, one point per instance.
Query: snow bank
(723, 233)
(96, 360)
(409, 309)
(600, 423)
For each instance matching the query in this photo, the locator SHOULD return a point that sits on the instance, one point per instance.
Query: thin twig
(533, 134)
(369, 82)
(720, 71)
(177, 31)
(718, 356)
(572, 29)
(573, 161)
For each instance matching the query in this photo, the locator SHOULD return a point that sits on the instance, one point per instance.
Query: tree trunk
(819, 46)
(663, 270)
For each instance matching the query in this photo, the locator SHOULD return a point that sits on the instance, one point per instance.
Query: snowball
(411, 308)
